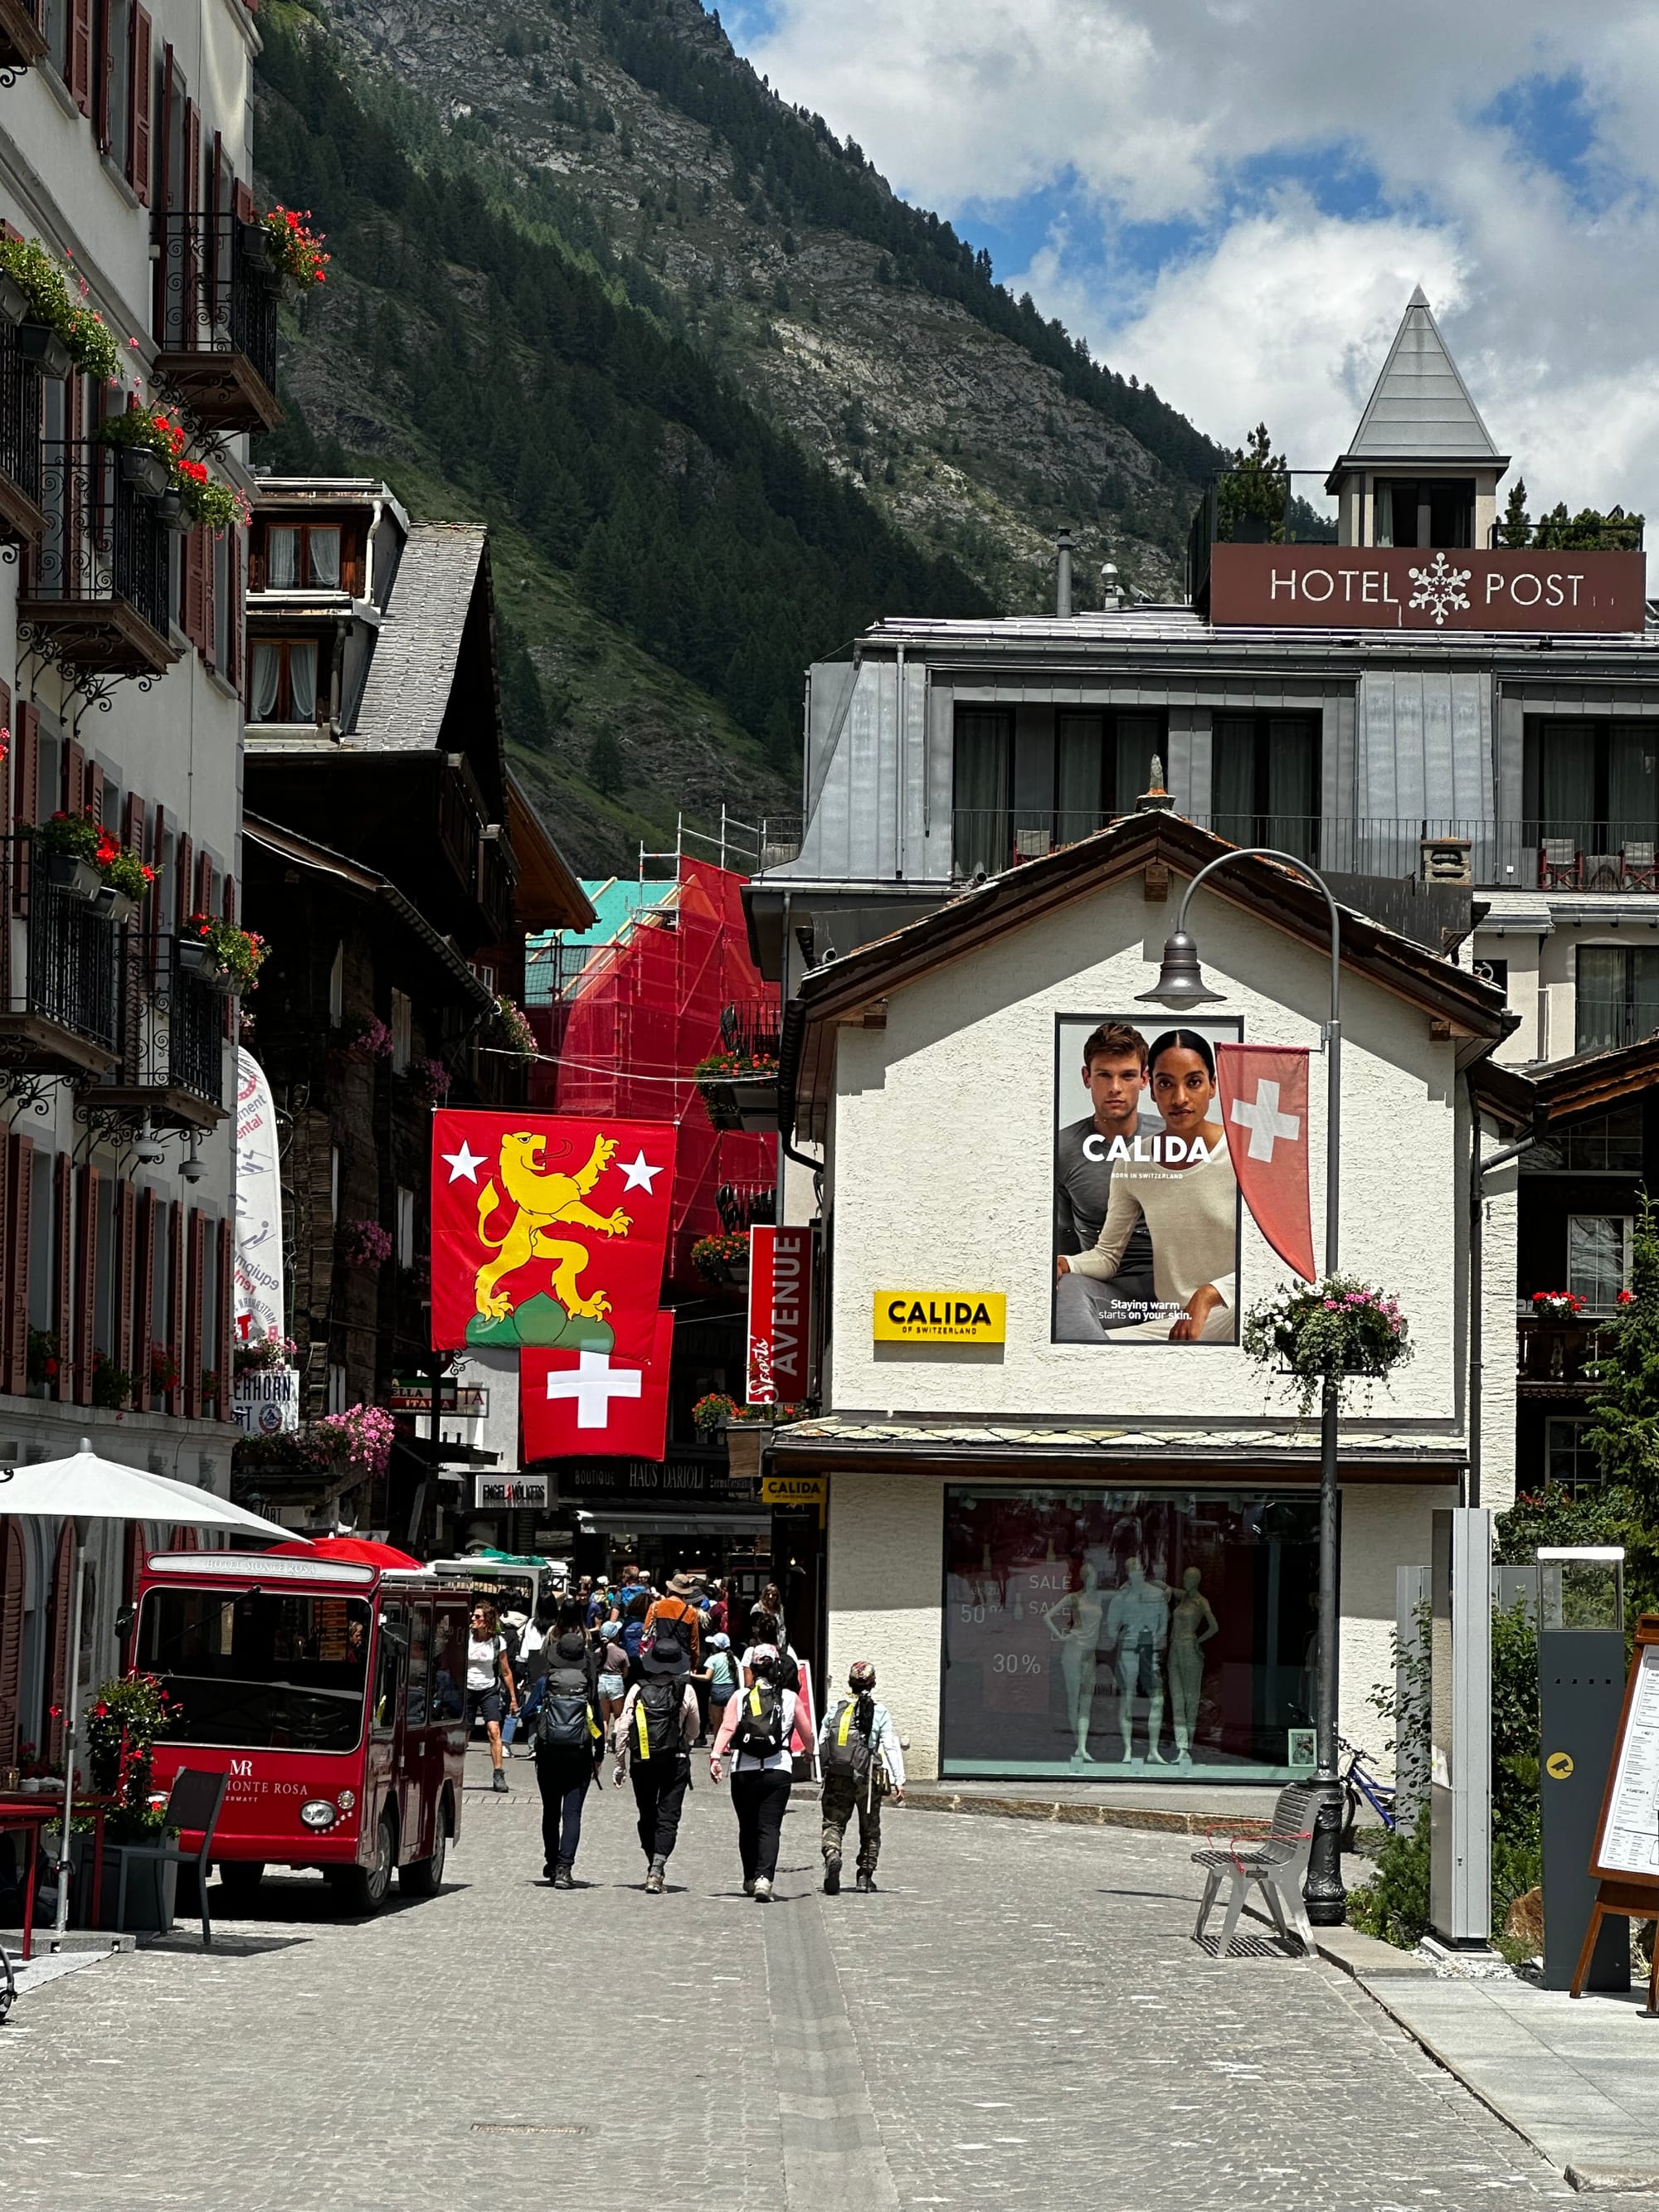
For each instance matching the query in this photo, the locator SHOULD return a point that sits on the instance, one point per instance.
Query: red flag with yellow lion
(549, 1229)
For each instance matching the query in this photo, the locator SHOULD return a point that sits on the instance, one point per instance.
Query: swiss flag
(1264, 1103)
(549, 1229)
(595, 1404)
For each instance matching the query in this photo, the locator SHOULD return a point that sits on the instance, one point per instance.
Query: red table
(30, 1814)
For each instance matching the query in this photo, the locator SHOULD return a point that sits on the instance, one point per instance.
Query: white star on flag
(593, 1383)
(639, 1177)
(465, 1162)
(1264, 1121)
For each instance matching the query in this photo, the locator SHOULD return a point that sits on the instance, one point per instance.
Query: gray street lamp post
(1181, 983)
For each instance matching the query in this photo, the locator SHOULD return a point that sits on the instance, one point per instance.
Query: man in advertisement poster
(1186, 1194)
(1114, 1077)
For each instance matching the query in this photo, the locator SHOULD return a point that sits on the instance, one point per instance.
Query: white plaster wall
(886, 1570)
(942, 1146)
(1522, 955)
(1384, 1526)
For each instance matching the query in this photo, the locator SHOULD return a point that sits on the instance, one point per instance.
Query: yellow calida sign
(794, 1489)
(941, 1316)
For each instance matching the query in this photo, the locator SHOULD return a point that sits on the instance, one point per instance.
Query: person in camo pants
(863, 1761)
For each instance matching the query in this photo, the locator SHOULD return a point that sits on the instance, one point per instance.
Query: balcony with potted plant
(62, 1016)
(218, 279)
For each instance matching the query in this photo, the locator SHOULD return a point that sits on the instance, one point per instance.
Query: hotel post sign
(1403, 587)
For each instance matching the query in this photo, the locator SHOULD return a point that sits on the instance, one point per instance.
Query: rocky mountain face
(721, 396)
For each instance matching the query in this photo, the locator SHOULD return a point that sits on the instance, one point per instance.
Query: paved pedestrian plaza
(1020, 2017)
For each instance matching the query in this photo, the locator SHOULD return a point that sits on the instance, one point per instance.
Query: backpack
(657, 1717)
(567, 1721)
(788, 1672)
(760, 1732)
(846, 1748)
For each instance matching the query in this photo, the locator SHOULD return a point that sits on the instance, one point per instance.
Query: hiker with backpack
(654, 1732)
(569, 1744)
(862, 1761)
(759, 1726)
(676, 1613)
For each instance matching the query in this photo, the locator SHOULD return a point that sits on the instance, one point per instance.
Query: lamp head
(1180, 980)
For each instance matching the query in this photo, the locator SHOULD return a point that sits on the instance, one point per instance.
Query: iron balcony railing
(20, 414)
(1255, 506)
(1612, 532)
(753, 1026)
(73, 961)
(103, 541)
(195, 1036)
(1516, 855)
(215, 289)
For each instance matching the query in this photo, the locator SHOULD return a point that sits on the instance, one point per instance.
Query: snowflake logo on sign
(1440, 589)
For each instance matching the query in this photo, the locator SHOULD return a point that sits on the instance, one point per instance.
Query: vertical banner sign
(779, 1314)
(1263, 1091)
(591, 1402)
(549, 1229)
(259, 1264)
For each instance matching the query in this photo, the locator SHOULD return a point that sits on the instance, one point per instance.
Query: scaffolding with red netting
(625, 1031)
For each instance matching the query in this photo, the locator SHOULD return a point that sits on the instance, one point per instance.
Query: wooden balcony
(215, 318)
(1555, 1357)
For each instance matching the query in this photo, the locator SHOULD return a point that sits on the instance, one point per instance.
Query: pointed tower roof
(1421, 409)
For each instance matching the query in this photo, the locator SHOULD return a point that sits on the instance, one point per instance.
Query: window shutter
(63, 1278)
(126, 1221)
(233, 614)
(26, 793)
(11, 1637)
(193, 177)
(193, 1301)
(175, 1337)
(182, 850)
(103, 69)
(209, 600)
(195, 584)
(20, 1191)
(157, 890)
(244, 202)
(140, 95)
(86, 1259)
(143, 1294)
(8, 849)
(92, 784)
(79, 54)
(224, 1351)
(60, 1604)
(204, 883)
(132, 1566)
(74, 784)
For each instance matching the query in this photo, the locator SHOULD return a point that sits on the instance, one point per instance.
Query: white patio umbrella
(84, 1488)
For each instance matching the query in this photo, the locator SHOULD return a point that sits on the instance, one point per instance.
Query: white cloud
(1157, 111)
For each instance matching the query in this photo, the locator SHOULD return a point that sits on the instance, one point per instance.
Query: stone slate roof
(413, 668)
(1421, 409)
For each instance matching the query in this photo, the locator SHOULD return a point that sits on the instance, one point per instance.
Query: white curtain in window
(1382, 513)
(267, 670)
(325, 559)
(302, 680)
(282, 559)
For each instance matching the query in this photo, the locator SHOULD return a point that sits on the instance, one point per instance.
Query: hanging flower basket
(237, 955)
(1333, 1331)
(738, 1089)
(1556, 1305)
(365, 1245)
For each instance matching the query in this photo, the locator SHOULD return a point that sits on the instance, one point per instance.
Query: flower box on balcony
(76, 878)
(41, 343)
(111, 904)
(198, 959)
(14, 300)
(146, 471)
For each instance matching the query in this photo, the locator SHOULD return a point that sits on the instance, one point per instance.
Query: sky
(1232, 200)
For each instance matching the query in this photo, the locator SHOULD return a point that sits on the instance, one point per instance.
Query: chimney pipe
(1111, 594)
(1063, 574)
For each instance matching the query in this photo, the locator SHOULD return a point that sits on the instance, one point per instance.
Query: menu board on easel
(1625, 1860)
(1627, 1842)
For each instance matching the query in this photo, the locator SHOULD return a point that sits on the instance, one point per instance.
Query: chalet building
(396, 866)
(1384, 668)
(126, 160)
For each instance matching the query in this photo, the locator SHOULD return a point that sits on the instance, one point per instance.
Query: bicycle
(1357, 1785)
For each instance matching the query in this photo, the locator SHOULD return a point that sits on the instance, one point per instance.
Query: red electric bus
(332, 1690)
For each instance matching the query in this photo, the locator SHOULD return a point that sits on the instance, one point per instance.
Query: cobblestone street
(1020, 2017)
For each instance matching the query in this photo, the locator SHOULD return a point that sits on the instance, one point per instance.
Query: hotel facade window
(301, 556)
(1128, 1629)
(1616, 998)
(1567, 1455)
(1264, 782)
(1434, 512)
(282, 680)
(1598, 1257)
(1021, 788)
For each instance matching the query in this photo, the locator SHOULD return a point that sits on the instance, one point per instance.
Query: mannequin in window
(1192, 1624)
(1138, 1624)
(1074, 1623)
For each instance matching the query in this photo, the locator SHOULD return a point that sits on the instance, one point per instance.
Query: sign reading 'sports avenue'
(1402, 587)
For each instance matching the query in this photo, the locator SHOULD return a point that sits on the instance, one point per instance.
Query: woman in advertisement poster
(1188, 1198)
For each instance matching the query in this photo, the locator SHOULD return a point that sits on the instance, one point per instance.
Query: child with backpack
(654, 1732)
(569, 1744)
(759, 1725)
(860, 1754)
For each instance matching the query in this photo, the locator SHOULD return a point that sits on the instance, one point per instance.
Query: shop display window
(1119, 1633)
